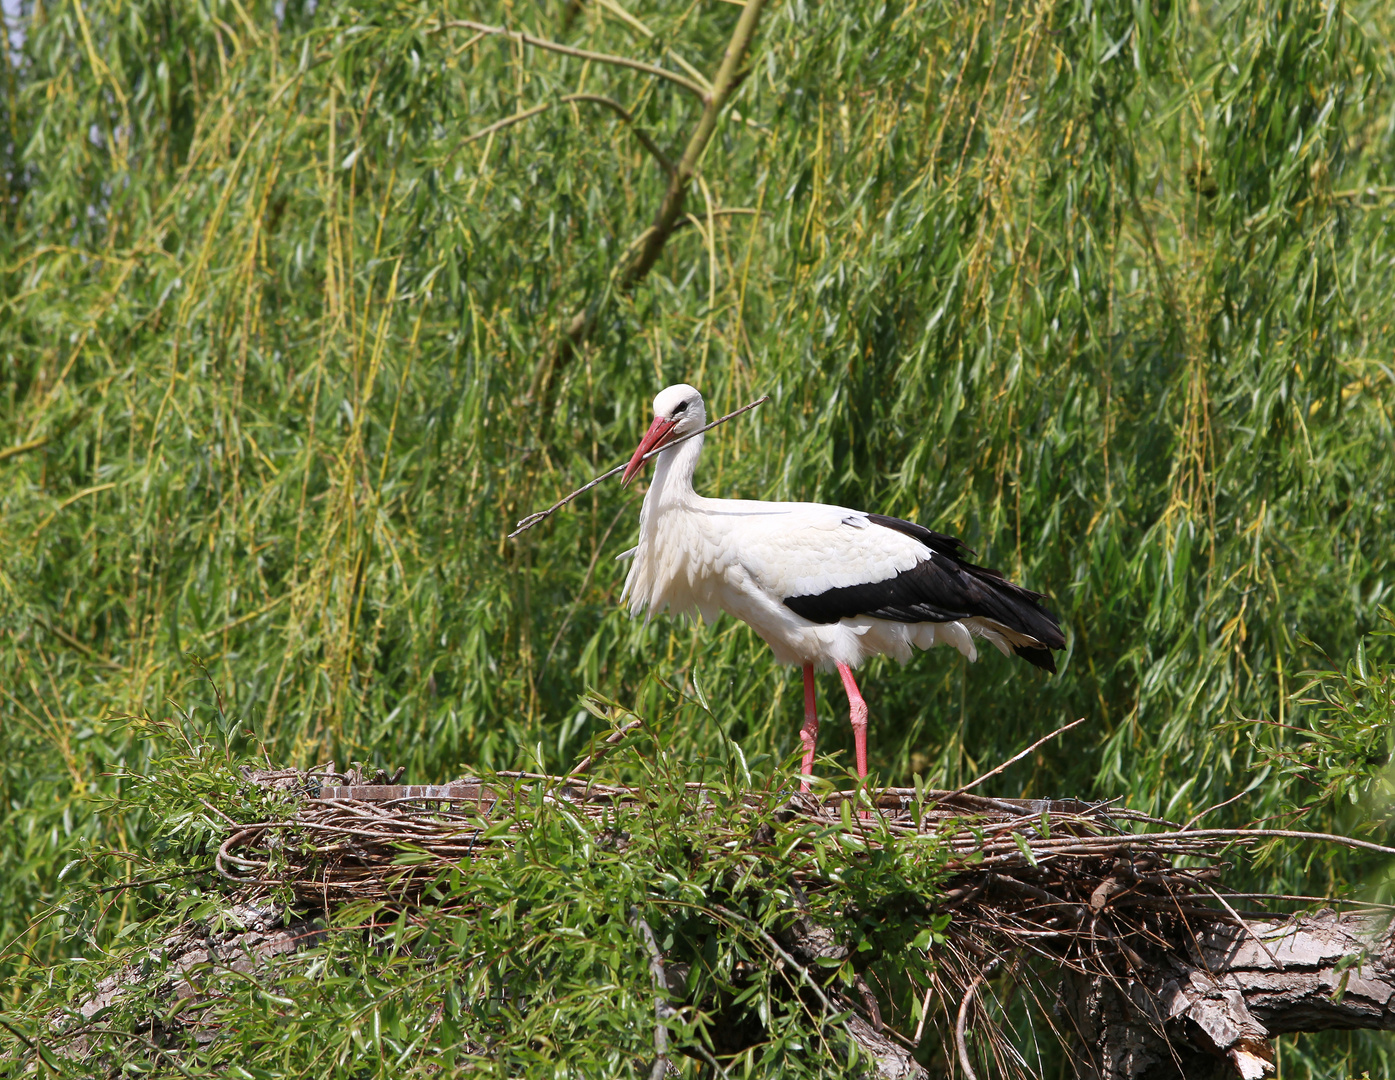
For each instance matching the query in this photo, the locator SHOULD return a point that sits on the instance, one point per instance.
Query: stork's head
(678, 411)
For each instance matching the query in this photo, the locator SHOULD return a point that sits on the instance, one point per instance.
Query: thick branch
(1212, 1014)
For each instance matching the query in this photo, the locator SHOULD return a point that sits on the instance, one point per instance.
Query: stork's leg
(857, 709)
(809, 733)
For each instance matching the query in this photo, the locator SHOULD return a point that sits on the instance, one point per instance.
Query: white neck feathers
(673, 476)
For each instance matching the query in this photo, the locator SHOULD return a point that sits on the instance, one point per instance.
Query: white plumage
(824, 586)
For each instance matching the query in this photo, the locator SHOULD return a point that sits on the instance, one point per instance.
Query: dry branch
(532, 519)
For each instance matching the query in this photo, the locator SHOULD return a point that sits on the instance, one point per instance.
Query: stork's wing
(885, 568)
(799, 549)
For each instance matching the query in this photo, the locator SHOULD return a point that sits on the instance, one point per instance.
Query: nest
(1034, 886)
(1035, 868)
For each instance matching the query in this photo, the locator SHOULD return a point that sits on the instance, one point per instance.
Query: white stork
(822, 585)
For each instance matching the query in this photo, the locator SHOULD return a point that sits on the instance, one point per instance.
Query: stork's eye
(680, 408)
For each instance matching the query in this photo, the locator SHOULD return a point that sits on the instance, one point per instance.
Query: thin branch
(612, 740)
(625, 114)
(924, 1012)
(1218, 806)
(639, 259)
(24, 447)
(671, 209)
(959, 1026)
(583, 54)
(1288, 834)
(1010, 761)
(532, 519)
(637, 24)
(508, 121)
(661, 1007)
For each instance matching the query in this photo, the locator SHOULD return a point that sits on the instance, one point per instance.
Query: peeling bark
(1210, 1010)
(256, 937)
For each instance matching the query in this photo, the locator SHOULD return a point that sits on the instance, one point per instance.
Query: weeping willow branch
(582, 54)
(596, 99)
(640, 258)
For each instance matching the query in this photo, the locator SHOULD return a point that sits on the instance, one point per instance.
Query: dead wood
(1209, 1009)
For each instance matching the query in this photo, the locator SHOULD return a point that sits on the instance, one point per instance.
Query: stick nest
(1035, 886)
(1040, 871)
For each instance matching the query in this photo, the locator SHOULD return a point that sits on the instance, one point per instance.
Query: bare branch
(640, 134)
(583, 54)
(959, 1026)
(1012, 760)
(661, 1007)
(640, 258)
(532, 519)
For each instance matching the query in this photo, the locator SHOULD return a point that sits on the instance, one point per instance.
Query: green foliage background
(1104, 288)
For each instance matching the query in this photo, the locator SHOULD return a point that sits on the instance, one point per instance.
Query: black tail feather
(1041, 658)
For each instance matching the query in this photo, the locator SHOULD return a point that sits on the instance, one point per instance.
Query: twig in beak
(532, 519)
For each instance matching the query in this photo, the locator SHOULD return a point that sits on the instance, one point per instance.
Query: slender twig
(532, 519)
(24, 447)
(583, 54)
(1287, 834)
(625, 115)
(1210, 809)
(508, 121)
(959, 1026)
(612, 740)
(1010, 761)
(924, 1012)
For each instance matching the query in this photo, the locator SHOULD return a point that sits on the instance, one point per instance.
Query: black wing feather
(942, 588)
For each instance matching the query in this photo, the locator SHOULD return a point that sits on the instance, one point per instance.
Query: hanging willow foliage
(303, 306)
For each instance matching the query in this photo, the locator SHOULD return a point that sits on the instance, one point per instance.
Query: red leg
(809, 733)
(857, 709)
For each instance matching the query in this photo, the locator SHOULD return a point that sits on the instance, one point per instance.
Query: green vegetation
(1103, 288)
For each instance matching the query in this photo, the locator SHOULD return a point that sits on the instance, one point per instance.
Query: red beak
(655, 437)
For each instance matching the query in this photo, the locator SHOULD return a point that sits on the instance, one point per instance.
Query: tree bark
(1211, 1010)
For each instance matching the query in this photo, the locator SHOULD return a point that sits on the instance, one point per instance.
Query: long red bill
(656, 436)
